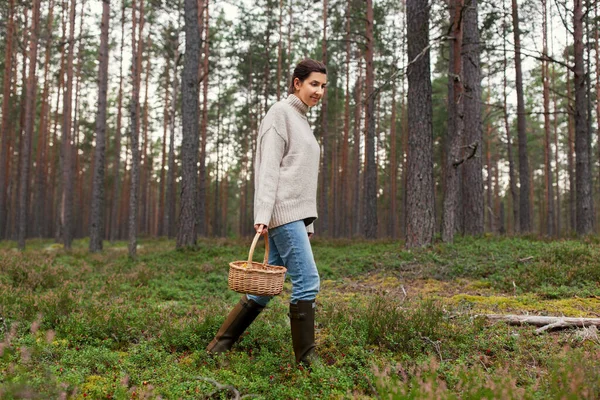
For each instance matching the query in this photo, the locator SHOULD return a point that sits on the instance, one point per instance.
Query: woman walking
(285, 206)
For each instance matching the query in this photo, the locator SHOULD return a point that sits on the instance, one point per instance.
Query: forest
(110, 131)
(459, 197)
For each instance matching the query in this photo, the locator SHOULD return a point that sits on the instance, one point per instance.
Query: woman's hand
(261, 228)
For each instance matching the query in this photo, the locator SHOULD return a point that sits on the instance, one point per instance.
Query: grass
(391, 323)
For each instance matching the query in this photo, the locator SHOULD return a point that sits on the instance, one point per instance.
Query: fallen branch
(545, 323)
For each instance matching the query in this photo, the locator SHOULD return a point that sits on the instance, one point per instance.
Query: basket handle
(251, 253)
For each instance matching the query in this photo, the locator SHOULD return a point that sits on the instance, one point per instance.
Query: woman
(285, 205)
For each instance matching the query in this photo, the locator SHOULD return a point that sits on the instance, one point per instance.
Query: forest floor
(391, 323)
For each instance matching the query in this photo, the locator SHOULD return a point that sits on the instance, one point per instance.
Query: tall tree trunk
(357, 190)
(571, 150)
(163, 163)
(514, 193)
(279, 45)
(556, 168)
(80, 213)
(582, 166)
(39, 223)
(393, 217)
(169, 217)
(134, 110)
(186, 235)
(6, 116)
(548, 189)
(456, 116)
(97, 217)
(25, 155)
(370, 176)
(472, 183)
(346, 229)
(67, 151)
(144, 158)
(597, 48)
(326, 154)
(490, 165)
(420, 204)
(524, 200)
(116, 190)
(202, 198)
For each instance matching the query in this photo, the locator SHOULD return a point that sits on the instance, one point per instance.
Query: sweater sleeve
(272, 148)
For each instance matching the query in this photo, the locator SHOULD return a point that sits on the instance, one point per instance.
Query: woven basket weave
(255, 278)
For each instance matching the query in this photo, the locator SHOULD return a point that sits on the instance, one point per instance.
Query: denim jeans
(289, 247)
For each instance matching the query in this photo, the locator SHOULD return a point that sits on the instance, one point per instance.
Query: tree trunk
(356, 210)
(6, 116)
(67, 151)
(145, 163)
(163, 163)
(25, 156)
(97, 217)
(326, 153)
(39, 223)
(514, 193)
(279, 45)
(524, 200)
(456, 116)
(571, 150)
(393, 216)
(202, 209)
(370, 176)
(582, 166)
(116, 191)
(346, 229)
(420, 204)
(186, 235)
(548, 189)
(472, 183)
(169, 217)
(134, 110)
(597, 48)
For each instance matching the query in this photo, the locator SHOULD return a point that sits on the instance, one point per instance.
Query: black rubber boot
(240, 318)
(302, 321)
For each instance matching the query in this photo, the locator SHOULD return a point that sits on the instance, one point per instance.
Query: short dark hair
(304, 68)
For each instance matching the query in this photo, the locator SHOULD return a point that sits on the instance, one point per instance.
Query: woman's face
(311, 90)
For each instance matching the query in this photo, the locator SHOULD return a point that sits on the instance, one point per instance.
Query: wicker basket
(255, 278)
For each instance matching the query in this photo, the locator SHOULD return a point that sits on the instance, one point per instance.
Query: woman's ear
(297, 84)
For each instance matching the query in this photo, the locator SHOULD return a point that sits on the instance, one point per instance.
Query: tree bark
(472, 182)
(524, 200)
(326, 153)
(393, 166)
(25, 156)
(597, 48)
(134, 111)
(6, 115)
(97, 217)
(202, 198)
(116, 191)
(39, 223)
(356, 210)
(186, 235)
(169, 217)
(548, 189)
(346, 229)
(454, 138)
(67, 150)
(370, 175)
(420, 202)
(582, 166)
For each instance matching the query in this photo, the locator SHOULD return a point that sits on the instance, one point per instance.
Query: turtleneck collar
(297, 104)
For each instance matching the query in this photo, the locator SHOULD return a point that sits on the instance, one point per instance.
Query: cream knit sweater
(286, 166)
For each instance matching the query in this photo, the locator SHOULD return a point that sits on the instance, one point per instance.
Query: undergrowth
(76, 325)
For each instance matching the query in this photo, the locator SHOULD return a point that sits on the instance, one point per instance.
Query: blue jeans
(289, 247)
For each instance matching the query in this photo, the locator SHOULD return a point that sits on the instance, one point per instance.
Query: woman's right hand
(261, 228)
